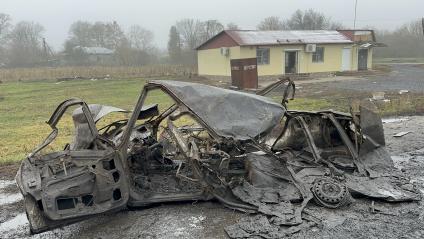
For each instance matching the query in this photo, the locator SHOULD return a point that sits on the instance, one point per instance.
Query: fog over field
(158, 16)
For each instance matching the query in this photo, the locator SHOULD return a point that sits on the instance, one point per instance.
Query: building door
(346, 59)
(290, 62)
(362, 59)
(244, 73)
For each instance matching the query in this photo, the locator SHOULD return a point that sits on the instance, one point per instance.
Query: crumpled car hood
(232, 114)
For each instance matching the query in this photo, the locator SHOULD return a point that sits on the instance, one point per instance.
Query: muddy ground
(208, 219)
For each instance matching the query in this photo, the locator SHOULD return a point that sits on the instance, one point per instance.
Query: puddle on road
(395, 120)
(9, 198)
(6, 183)
(14, 223)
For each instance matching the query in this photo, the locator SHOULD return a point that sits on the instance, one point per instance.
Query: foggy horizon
(158, 16)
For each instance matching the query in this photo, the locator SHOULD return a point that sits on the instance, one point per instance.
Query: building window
(262, 56)
(318, 55)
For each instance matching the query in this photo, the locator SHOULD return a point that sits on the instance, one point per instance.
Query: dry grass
(54, 73)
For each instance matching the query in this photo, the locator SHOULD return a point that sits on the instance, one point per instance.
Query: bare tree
(310, 20)
(114, 35)
(80, 34)
(137, 48)
(415, 28)
(405, 41)
(211, 28)
(107, 34)
(192, 35)
(25, 44)
(130, 56)
(174, 45)
(194, 32)
(5, 26)
(140, 38)
(101, 34)
(191, 32)
(271, 24)
(134, 48)
(232, 26)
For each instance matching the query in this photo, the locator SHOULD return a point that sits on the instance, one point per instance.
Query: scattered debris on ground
(403, 133)
(244, 150)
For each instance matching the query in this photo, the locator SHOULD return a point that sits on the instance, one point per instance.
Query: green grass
(25, 106)
(409, 104)
(309, 104)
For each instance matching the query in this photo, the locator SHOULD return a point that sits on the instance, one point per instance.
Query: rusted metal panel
(347, 33)
(220, 40)
(244, 73)
(364, 35)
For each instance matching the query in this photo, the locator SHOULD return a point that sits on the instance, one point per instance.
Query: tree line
(23, 44)
(405, 41)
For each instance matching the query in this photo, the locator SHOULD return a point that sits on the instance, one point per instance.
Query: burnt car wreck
(244, 150)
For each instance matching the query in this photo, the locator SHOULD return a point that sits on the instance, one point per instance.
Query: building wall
(355, 58)
(332, 59)
(370, 52)
(355, 50)
(211, 62)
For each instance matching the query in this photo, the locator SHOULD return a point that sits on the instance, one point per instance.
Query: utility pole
(422, 24)
(354, 20)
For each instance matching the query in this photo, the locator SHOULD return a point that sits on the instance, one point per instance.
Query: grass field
(26, 106)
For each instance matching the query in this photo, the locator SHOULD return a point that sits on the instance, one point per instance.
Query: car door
(86, 178)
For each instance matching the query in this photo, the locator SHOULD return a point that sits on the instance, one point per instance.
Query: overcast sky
(158, 15)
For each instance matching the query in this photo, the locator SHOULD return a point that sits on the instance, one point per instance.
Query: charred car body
(243, 150)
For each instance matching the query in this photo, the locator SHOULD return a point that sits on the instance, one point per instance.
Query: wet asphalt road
(402, 77)
(180, 220)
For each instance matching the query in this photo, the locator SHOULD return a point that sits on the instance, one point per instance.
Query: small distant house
(287, 52)
(96, 55)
